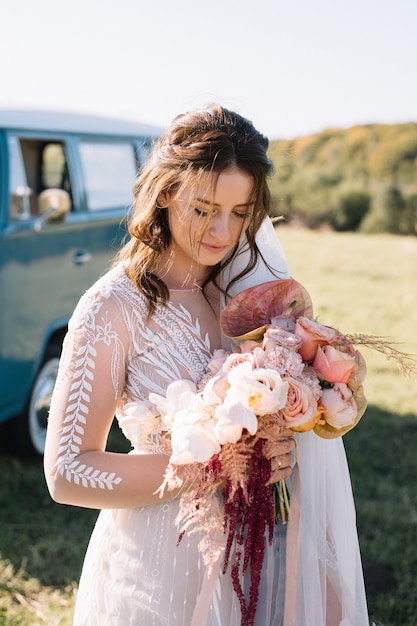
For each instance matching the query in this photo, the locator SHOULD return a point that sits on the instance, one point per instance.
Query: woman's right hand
(280, 452)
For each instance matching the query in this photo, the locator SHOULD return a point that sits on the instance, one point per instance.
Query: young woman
(199, 221)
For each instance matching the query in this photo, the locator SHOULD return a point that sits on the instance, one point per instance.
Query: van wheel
(33, 422)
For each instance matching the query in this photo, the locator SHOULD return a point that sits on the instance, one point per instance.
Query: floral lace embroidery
(77, 409)
(168, 348)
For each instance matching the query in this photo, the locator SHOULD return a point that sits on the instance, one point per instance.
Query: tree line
(362, 179)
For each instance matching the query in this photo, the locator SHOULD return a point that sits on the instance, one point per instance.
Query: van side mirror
(20, 203)
(53, 206)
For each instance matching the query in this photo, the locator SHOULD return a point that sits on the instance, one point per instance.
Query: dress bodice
(144, 354)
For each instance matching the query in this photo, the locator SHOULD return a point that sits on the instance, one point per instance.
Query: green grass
(359, 284)
(42, 545)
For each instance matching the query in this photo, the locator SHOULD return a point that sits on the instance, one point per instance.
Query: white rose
(261, 390)
(138, 420)
(232, 418)
(192, 426)
(215, 389)
(178, 394)
(193, 443)
(192, 436)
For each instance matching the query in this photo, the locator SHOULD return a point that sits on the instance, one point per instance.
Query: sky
(293, 67)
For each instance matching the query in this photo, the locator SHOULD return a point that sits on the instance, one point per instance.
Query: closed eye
(239, 214)
(201, 212)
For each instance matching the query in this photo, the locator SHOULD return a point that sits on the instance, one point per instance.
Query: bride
(199, 234)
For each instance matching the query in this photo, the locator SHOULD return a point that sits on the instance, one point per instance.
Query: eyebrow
(236, 206)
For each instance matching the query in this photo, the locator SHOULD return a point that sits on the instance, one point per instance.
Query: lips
(214, 248)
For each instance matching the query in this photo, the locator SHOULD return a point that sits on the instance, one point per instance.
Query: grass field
(359, 284)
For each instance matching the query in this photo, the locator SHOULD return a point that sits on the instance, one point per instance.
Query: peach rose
(313, 335)
(333, 365)
(249, 345)
(300, 412)
(339, 405)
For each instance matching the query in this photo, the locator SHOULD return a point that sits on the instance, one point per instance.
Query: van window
(19, 191)
(109, 171)
(35, 165)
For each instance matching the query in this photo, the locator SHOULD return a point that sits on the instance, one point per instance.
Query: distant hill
(360, 178)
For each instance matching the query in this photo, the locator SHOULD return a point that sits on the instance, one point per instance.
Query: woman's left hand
(281, 454)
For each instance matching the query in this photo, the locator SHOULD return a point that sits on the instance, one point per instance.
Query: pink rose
(236, 358)
(300, 412)
(282, 337)
(333, 365)
(339, 406)
(254, 349)
(313, 335)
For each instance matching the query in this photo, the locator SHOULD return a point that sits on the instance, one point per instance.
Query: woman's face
(207, 218)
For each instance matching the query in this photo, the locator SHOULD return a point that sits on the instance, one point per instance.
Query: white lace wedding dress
(134, 573)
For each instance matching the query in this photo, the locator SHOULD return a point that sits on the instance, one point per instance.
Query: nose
(220, 227)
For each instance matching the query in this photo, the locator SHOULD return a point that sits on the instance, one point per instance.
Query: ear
(164, 199)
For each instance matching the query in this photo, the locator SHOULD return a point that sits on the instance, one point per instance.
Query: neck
(194, 289)
(188, 284)
(177, 278)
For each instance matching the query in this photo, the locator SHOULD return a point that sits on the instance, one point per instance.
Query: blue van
(65, 189)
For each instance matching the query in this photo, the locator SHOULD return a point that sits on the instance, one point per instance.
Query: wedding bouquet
(287, 372)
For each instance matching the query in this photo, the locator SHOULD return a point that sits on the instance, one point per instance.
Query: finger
(280, 474)
(276, 448)
(282, 461)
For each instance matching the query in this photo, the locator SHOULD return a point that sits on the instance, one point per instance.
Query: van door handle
(80, 258)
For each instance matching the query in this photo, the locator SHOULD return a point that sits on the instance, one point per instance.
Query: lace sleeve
(90, 382)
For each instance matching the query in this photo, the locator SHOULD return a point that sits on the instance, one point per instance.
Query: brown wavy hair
(213, 139)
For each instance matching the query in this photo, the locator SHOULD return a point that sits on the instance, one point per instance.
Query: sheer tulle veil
(324, 583)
